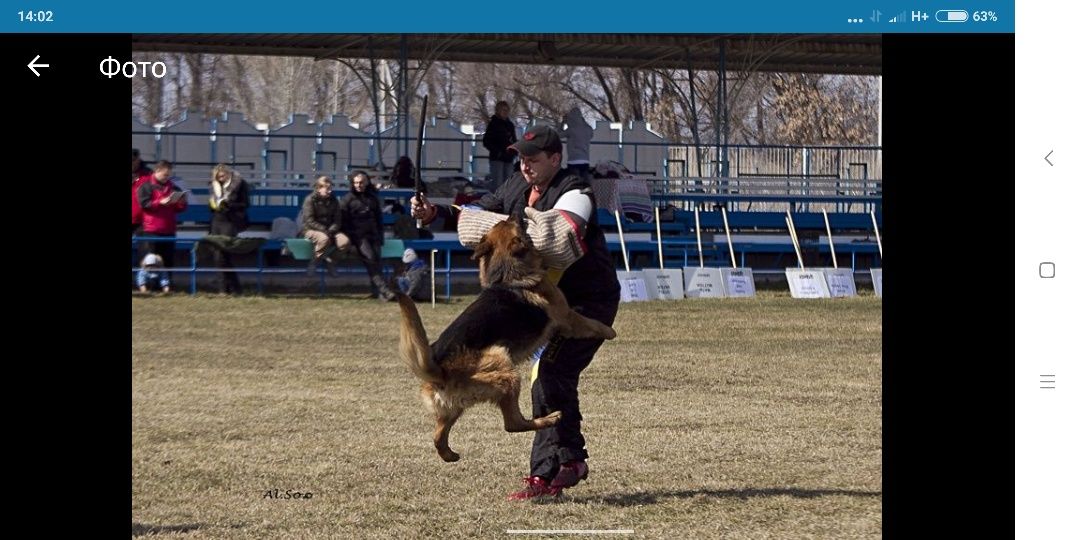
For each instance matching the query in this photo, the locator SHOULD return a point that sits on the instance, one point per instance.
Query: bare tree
(681, 104)
(147, 96)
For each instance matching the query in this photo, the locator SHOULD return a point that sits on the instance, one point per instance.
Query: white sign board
(703, 282)
(738, 282)
(841, 282)
(632, 286)
(875, 275)
(809, 283)
(664, 284)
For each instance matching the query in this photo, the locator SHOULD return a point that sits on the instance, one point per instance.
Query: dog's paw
(551, 419)
(449, 456)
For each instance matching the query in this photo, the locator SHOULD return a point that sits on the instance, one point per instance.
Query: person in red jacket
(161, 200)
(139, 175)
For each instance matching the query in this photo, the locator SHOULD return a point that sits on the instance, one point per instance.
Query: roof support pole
(879, 88)
(695, 121)
(724, 165)
(403, 98)
(718, 111)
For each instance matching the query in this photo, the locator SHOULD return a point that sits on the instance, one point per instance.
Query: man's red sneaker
(569, 475)
(535, 486)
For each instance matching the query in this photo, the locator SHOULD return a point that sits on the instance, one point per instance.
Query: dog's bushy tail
(414, 347)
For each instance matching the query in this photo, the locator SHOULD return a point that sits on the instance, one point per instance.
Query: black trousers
(229, 282)
(371, 258)
(556, 389)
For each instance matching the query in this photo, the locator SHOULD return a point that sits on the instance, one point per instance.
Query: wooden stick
(794, 239)
(877, 235)
(419, 159)
(659, 241)
(622, 242)
(828, 230)
(727, 231)
(697, 227)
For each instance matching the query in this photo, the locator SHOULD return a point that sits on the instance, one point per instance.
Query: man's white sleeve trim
(577, 203)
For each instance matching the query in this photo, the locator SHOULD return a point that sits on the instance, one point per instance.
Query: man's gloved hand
(554, 236)
(551, 233)
(474, 224)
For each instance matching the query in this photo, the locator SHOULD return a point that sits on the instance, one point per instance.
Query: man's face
(323, 191)
(359, 182)
(161, 175)
(502, 111)
(540, 168)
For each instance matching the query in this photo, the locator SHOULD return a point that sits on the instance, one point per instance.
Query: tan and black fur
(476, 358)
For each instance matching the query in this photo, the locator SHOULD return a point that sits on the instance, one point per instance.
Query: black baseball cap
(538, 139)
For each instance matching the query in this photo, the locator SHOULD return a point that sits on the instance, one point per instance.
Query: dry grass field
(722, 418)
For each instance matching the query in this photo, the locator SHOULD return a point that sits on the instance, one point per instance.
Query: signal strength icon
(902, 17)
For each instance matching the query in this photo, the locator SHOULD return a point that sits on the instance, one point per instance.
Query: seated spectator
(361, 220)
(151, 274)
(403, 175)
(322, 225)
(414, 276)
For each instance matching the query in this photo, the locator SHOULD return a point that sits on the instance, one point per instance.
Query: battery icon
(951, 15)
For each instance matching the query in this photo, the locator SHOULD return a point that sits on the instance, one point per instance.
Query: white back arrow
(32, 65)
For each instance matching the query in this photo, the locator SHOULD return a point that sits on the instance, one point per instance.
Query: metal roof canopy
(854, 54)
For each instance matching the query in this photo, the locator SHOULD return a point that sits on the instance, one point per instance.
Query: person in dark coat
(228, 202)
(361, 221)
(498, 137)
(403, 175)
(550, 197)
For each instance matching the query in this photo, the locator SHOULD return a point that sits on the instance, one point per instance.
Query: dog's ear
(522, 238)
(482, 249)
(521, 244)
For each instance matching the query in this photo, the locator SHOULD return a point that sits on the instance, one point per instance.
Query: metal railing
(302, 157)
(768, 194)
(715, 252)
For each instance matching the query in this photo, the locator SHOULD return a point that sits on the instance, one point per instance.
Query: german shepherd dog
(476, 358)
